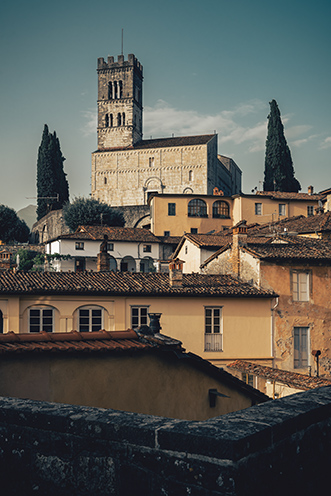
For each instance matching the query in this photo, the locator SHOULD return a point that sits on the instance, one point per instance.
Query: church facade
(126, 169)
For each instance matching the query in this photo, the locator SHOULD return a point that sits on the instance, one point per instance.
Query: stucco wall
(279, 447)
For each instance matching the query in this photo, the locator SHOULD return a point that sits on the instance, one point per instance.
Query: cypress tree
(278, 167)
(52, 185)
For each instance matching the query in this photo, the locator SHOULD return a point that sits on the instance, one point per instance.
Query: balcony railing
(213, 342)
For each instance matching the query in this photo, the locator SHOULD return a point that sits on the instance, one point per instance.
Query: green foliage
(90, 212)
(27, 258)
(278, 168)
(51, 178)
(12, 228)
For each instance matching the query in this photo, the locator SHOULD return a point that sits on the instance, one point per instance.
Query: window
(171, 208)
(301, 335)
(197, 208)
(147, 248)
(41, 319)
(213, 330)
(166, 233)
(106, 120)
(90, 319)
(190, 176)
(221, 210)
(248, 378)
(110, 90)
(123, 119)
(282, 209)
(258, 208)
(194, 230)
(79, 245)
(310, 210)
(138, 316)
(151, 161)
(300, 286)
(110, 246)
(104, 180)
(119, 119)
(80, 264)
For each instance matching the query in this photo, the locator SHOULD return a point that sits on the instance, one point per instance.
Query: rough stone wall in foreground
(277, 448)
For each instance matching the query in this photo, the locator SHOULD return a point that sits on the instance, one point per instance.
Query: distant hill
(28, 214)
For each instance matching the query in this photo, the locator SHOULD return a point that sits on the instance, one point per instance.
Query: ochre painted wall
(155, 384)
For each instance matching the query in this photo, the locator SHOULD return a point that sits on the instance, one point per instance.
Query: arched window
(147, 265)
(90, 319)
(190, 175)
(128, 264)
(110, 90)
(120, 88)
(221, 210)
(107, 120)
(123, 119)
(197, 208)
(104, 180)
(112, 264)
(119, 119)
(41, 319)
(110, 120)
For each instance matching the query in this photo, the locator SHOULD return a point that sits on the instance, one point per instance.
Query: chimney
(103, 256)
(239, 238)
(176, 273)
(310, 190)
(154, 322)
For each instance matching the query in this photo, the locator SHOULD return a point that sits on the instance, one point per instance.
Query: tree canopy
(52, 185)
(278, 167)
(12, 228)
(90, 212)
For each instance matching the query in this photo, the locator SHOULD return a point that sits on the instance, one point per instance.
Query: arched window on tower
(118, 119)
(111, 120)
(106, 120)
(115, 90)
(190, 175)
(197, 208)
(123, 119)
(221, 210)
(110, 90)
(120, 87)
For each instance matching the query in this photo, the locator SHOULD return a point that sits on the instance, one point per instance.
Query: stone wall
(49, 227)
(281, 447)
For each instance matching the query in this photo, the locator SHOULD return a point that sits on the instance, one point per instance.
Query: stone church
(126, 169)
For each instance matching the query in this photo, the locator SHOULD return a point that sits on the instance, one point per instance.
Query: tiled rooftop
(166, 143)
(294, 248)
(124, 284)
(291, 379)
(318, 223)
(97, 233)
(279, 195)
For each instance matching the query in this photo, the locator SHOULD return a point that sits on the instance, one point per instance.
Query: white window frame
(282, 209)
(42, 324)
(141, 315)
(258, 208)
(92, 319)
(301, 347)
(213, 324)
(300, 285)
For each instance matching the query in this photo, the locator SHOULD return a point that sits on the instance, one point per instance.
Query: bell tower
(119, 102)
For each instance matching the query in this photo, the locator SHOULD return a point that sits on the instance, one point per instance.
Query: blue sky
(208, 66)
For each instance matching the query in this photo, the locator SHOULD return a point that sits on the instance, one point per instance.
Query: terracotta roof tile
(81, 342)
(297, 248)
(124, 283)
(291, 379)
(289, 195)
(302, 225)
(166, 143)
(97, 233)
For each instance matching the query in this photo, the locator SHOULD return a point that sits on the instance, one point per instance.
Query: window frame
(41, 324)
(90, 309)
(171, 209)
(221, 209)
(310, 210)
(197, 208)
(258, 209)
(110, 246)
(298, 294)
(282, 209)
(79, 245)
(147, 248)
(301, 345)
(213, 339)
(141, 319)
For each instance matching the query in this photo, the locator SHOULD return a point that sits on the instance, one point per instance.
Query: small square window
(110, 246)
(166, 233)
(147, 248)
(79, 245)
(194, 230)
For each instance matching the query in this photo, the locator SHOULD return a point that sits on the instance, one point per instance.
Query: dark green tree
(52, 185)
(12, 228)
(278, 166)
(90, 212)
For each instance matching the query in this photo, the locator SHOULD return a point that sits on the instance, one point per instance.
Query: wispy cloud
(90, 122)
(326, 143)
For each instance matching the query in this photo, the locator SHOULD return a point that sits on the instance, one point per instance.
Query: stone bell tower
(119, 102)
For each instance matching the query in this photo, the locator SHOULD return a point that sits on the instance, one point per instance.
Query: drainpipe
(272, 330)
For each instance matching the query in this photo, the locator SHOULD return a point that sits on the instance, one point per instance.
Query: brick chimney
(310, 190)
(176, 273)
(103, 256)
(239, 238)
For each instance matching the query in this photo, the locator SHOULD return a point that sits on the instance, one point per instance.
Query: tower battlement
(111, 64)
